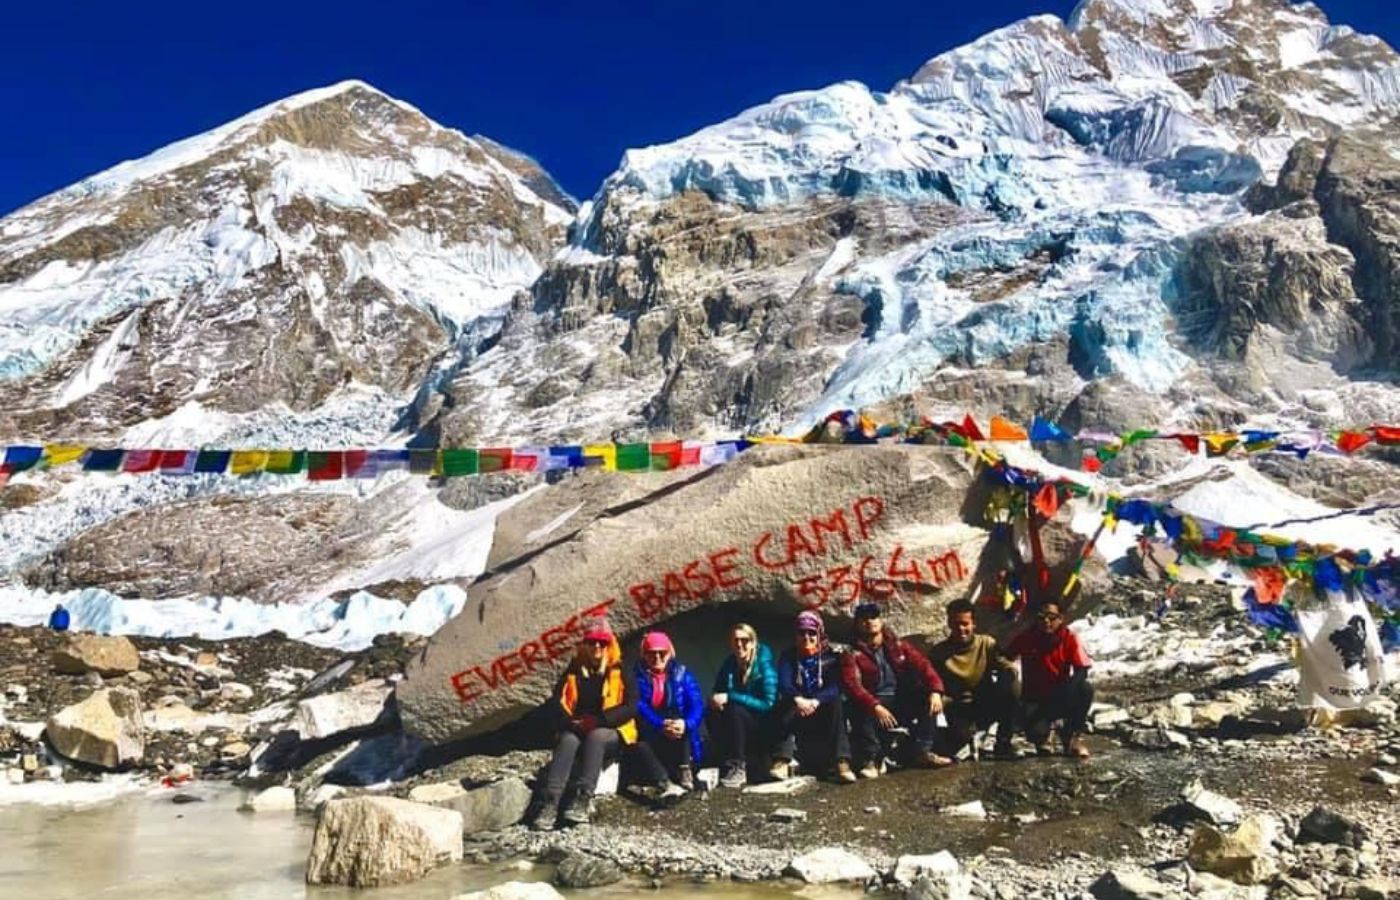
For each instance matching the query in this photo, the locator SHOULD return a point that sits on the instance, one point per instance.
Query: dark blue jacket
(683, 700)
(798, 680)
(760, 692)
(58, 620)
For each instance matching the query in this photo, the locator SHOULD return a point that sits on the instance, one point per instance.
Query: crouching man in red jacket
(893, 691)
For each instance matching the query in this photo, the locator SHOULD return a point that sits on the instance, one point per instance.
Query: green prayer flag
(285, 462)
(633, 457)
(459, 462)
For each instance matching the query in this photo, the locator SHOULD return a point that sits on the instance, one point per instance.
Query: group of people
(849, 714)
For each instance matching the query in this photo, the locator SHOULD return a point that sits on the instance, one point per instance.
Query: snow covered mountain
(327, 248)
(1156, 213)
(1018, 207)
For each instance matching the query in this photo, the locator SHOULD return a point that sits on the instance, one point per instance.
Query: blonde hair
(751, 633)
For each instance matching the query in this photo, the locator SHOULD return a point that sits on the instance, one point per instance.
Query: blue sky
(86, 85)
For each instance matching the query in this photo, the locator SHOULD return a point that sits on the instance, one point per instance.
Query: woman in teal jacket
(745, 690)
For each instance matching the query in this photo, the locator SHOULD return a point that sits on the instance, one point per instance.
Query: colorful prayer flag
(358, 465)
(665, 455)
(970, 429)
(1220, 443)
(140, 461)
(457, 462)
(424, 462)
(20, 458)
(604, 455)
(247, 462)
(493, 459)
(1043, 430)
(1351, 441)
(285, 462)
(1003, 430)
(325, 465)
(212, 462)
(60, 454)
(1191, 442)
(177, 462)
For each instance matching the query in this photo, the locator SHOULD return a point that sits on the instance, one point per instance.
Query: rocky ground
(1192, 700)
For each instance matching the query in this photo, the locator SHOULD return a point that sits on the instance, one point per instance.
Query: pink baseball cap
(597, 630)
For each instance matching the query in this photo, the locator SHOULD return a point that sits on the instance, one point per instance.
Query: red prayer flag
(1090, 463)
(1351, 441)
(1047, 501)
(327, 466)
(1192, 442)
(969, 429)
(690, 454)
(522, 462)
(1386, 434)
(1268, 584)
(355, 460)
(665, 455)
(141, 461)
(493, 459)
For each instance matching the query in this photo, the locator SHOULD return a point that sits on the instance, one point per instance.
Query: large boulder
(782, 527)
(374, 841)
(103, 654)
(328, 714)
(106, 730)
(579, 871)
(489, 808)
(827, 865)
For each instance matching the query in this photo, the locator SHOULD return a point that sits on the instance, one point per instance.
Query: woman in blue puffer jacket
(670, 709)
(746, 689)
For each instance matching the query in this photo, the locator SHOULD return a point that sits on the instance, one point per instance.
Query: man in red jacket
(1054, 682)
(893, 690)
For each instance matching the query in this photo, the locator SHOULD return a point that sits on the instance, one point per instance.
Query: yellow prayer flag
(606, 452)
(58, 454)
(245, 462)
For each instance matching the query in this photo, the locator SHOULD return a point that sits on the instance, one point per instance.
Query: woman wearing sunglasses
(745, 692)
(596, 708)
(811, 719)
(670, 709)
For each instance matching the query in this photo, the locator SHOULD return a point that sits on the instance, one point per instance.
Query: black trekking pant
(1068, 703)
(660, 757)
(591, 753)
(818, 740)
(873, 743)
(993, 702)
(738, 731)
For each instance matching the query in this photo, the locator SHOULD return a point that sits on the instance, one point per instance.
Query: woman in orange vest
(596, 705)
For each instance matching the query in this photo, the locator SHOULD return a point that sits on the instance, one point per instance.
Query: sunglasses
(743, 640)
(593, 643)
(652, 654)
(1048, 616)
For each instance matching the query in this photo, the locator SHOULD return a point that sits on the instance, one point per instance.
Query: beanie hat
(657, 640)
(597, 630)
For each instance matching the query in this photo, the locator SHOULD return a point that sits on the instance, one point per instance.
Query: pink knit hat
(657, 640)
(597, 630)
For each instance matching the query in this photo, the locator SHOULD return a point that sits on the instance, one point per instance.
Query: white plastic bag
(1340, 664)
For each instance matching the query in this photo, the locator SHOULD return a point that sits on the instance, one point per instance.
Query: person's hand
(718, 700)
(935, 703)
(805, 706)
(885, 718)
(583, 725)
(674, 728)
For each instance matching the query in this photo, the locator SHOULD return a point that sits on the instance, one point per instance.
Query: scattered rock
(957, 886)
(908, 868)
(234, 692)
(235, 750)
(830, 864)
(581, 870)
(489, 808)
(970, 810)
(373, 841)
(787, 814)
(274, 799)
(1382, 777)
(1322, 826)
(782, 788)
(707, 779)
(104, 730)
(1239, 856)
(105, 655)
(1124, 885)
(328, 714)
(1159, 738)
(1214, 808)
(1374, 889)
(515, 890)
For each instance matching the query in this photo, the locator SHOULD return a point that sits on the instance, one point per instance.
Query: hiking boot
(579, 811)
(869, 771)
(1075, 747)
(844, 773)
(1044, 749)
(735, 774)
(927, 759)
(781, 770)
(671, 791)
(685, 776)
(544, 816)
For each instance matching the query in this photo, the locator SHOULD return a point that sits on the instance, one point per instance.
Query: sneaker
(844, 773)
(735, 775)
(869, 771)
(1075, 747)
(579, 812)
(545, 817)
(686, 777)
(672, 791)
(781, 769)
(930, 760)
